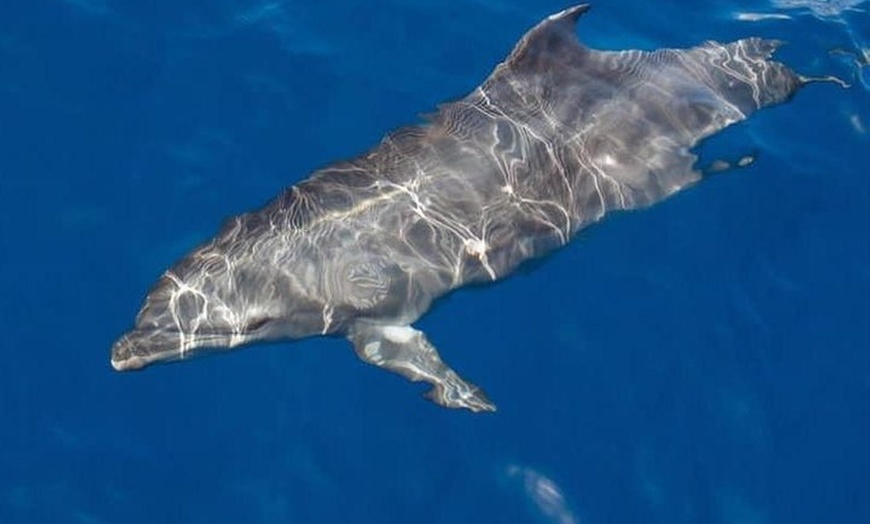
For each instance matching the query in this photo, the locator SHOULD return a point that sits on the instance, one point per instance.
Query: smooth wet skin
(558, 136)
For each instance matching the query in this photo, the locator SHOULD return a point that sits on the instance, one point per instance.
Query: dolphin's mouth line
(135, 362)
(181, 347)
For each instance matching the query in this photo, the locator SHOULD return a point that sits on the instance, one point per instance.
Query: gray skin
(558, 136)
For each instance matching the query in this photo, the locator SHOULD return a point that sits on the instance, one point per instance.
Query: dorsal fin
(549, 40)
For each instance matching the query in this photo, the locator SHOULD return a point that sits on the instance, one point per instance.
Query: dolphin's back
(628, 118)
(556, 137)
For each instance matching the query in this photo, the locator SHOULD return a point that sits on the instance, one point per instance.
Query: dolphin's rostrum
(555, 138)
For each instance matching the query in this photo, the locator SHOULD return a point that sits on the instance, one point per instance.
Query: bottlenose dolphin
(557, 136)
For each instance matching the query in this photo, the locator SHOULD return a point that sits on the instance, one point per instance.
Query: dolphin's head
(222, 295)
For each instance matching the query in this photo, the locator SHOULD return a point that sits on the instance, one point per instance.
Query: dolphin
(558, 136)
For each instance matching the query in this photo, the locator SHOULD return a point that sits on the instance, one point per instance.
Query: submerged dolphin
(558, 136)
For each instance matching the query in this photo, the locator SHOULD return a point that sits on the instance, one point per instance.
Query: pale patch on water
(284, 19)
(734, 508)
(83, 517)
(294, 29)
(821, 8)
(544, 494)
(757, 17)
(646, 480)
(858, 124)
(198, 155)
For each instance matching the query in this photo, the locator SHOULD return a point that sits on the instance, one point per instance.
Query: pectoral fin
(406, 351)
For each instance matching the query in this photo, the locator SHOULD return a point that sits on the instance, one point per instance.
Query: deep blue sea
(703, 361)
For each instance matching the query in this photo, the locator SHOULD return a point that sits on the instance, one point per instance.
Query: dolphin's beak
(122, 353)
(142, 347)
(139, 348)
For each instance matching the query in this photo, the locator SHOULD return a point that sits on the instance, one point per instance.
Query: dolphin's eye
(256, 323)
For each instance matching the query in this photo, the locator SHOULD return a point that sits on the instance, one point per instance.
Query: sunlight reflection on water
(544, 494)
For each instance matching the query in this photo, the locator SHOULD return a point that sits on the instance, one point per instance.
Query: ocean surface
(703, 361)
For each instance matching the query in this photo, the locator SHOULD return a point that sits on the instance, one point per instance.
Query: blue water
(702, 361)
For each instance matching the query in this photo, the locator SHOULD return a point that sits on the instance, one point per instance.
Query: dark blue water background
(707, 360)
